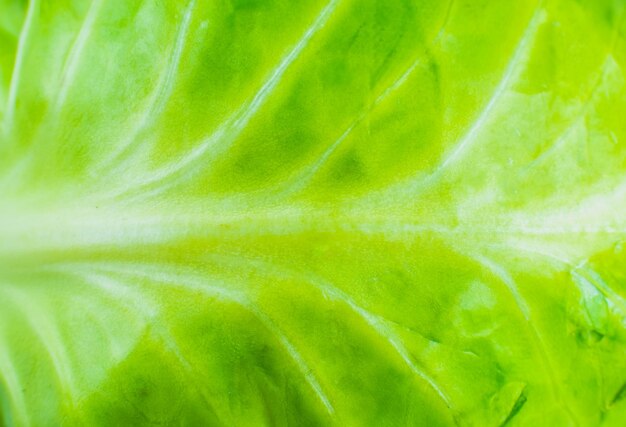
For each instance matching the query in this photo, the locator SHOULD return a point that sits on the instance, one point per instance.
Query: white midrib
(78, 228)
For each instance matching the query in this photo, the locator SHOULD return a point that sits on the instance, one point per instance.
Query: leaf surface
(312, 213)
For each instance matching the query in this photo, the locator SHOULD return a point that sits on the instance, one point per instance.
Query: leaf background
(276, 212)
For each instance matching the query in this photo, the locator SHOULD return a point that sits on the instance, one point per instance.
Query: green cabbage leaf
(312, 212)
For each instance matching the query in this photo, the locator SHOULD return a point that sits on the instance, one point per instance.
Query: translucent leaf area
(311, 213)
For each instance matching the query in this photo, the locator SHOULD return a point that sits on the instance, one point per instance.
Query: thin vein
(18, 65)
(591, 277)
(8, 374)
(380, 324)
(199, 284)
(303, 178)
(75, 54)
(376, 322)
(141, 303)
(67, 78)
(48, 333)
(222, 139)
(159, 98)
(382, 327)
(508, 281)
(569, 130)
(306, 176)
(418, 182)
(582, 276)
(470, 136)
(521, 303)
(297, 357)
(562, 137)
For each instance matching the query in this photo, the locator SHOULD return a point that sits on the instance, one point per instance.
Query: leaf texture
(342, 212)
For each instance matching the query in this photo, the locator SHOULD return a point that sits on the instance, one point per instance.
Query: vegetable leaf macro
(342, 212)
